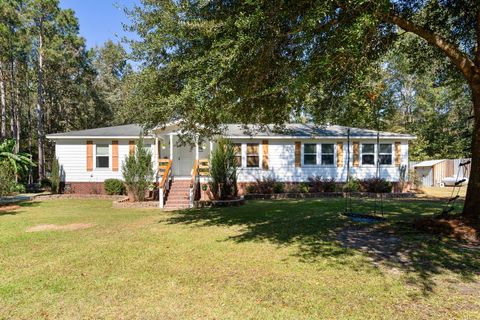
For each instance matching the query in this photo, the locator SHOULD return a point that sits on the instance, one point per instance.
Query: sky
(100, 20)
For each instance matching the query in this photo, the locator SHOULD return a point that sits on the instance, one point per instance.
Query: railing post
(160, 197)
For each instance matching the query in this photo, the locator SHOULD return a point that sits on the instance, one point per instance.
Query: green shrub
(353, 185)
(114, 187)
(223, 170)
(278, 187)
(303, 187)
(377, 185)
(251, 188)
(19, 188)
(7, 178)
(137, 171)
(46, 184)
(55, 176)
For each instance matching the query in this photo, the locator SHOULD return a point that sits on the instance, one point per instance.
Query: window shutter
(339, 154)
(298, 154)
(131, 147)
(398, 153)
(114, 155)
(356, 153)
(265, 154)
(89, 155)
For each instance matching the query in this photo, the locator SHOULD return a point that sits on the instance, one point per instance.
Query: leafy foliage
(114, 187)
(321, 184)
(137, 171)
(20, 162)
(353, 185)
(55, 176)
(7, 178)
(223, 170)
(376, 185)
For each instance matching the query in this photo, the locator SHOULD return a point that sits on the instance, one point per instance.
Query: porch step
(178, 195)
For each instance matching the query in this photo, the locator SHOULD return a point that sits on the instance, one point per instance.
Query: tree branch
(460, 59)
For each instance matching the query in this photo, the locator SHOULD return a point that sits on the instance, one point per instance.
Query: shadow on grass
(16, 207)
(314, 227)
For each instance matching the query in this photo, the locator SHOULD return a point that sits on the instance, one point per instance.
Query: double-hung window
(309, 154)
(253, 156)
(368, 154)
(328, 154)
(237, 148)
(102, 156)
(385, 154)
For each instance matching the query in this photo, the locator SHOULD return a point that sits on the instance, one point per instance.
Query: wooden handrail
(165, 174)
(195, 170)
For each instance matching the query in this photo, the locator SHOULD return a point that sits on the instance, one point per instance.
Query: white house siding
(72, 157)
(281, 154)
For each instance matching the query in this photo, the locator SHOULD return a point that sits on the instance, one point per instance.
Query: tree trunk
(3, 114)
(471, 208)
(39, 107)
(13, 107)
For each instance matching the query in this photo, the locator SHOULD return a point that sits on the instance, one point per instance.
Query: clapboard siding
(281, 155)
(71, 154)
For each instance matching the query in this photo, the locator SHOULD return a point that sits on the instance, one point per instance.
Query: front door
(183, 159)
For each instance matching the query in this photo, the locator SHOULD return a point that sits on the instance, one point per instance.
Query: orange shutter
(265, 154)
(131, 147)
(398, 153)
(298, 154)
(89, 155)
(356, 153)
(339, 154)
(114, 155)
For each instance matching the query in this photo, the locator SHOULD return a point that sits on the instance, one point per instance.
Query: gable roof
(299, 130)
(428, 163)
(124, 131)
(289, 130)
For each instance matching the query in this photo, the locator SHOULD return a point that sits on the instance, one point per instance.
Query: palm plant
(21, 162)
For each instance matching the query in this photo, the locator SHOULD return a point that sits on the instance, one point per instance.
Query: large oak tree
(262, 61)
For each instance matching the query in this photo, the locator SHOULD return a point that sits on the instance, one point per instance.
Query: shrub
(46, 184)
(55, 178)
(265, 185)
(303, 187)
(19, 188)
(353, 185)
(278, 187)
(319, 184)
(223, 170)
(114, 187)
(137, 171)
(251, 188)
(7, 178)
(377, 185)
(292, 188)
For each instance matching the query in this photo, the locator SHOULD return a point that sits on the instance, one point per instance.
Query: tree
(20, 162)
(223, 170)
(264, 60)
(137, 171)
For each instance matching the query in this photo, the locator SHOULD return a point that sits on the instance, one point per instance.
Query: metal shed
(433, 172)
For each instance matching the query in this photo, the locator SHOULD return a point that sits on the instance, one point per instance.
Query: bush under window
(114, 187)
(137, 171)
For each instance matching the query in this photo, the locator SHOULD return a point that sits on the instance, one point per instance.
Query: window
(385, 154)
(102, 154)
(309, 153)
(328, 154)
(253, 159)
(368, 153)
(237, 148)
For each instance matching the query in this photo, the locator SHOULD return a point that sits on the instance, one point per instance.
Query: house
(442, 172)
(290, 155)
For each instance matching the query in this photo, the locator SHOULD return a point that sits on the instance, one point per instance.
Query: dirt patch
(449, 227)
(381, 243)
(10, 207)
(56, 227)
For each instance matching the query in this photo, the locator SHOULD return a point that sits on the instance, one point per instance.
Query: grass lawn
(266, 260)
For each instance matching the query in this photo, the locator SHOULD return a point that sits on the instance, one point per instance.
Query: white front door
(183, 159)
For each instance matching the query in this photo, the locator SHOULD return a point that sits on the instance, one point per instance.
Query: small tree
(55, 176)
(137, 171)
(223, 170)
(7, 178)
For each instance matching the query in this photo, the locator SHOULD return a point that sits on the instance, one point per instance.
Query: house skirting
(84, 187)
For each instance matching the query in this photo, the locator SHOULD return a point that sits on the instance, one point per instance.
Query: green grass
(265, 260)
